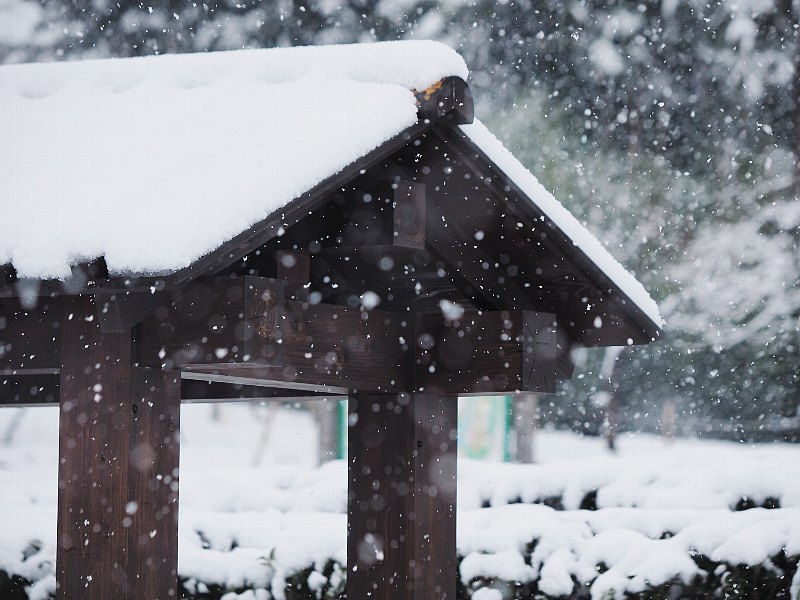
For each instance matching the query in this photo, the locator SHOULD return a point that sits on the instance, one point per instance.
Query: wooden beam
(29, 337)
(118, 312)
(488, 352)
(29, 389)
(118, 466)
(401, 510)
(409, 214)
(201, 390)
(242, 327)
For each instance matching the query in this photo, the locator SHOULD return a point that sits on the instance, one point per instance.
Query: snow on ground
(255, 510)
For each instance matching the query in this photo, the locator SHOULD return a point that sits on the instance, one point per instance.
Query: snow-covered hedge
(516, 551)
(685, 520)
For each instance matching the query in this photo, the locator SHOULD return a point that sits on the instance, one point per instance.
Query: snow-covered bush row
(625, 552)
(664, 516)
(522, 550)
(646, 473)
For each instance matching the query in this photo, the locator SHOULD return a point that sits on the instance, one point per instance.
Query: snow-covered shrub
(12, 587)
(772, 580)
(317, 582)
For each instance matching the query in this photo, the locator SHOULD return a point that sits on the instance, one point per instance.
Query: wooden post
(402, 497)
(118, 466)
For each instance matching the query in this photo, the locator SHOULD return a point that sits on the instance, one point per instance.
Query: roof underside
(486, 246)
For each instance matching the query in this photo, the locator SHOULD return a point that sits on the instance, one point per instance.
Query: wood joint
(450, 99)
(409, 215)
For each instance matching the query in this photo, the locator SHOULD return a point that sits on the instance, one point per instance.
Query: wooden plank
(294, 268)
(118, 461)
(262, 376)
(402, 465)
(29, 337)
(211, 321)
(243, 327)
(94, 447)
(488, 352)
(29, 389)
(409, 214)
(120, 311)
(194, 390)
(152, 507)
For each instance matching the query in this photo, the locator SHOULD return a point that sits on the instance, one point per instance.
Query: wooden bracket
(487, 352)
(120, 311)
(295, 269)
(409, 215)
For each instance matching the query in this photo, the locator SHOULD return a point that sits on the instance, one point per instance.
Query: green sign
(484, 427)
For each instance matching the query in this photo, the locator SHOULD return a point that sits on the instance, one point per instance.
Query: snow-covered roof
(154, 162)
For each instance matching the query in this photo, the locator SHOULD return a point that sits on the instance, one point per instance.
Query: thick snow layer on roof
(153, 162)
(562, 218)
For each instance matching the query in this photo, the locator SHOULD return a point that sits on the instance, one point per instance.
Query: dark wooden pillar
(402, 497)
(118, 466)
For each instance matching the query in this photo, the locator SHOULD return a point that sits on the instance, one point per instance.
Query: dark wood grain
(243, 327)
(94, 448)
(29, 390)
(29, 336)
(402, 497)
(118, 461)
(121, 311)
(295, 269)
(409, 214)
(488, 352)
(153, 484)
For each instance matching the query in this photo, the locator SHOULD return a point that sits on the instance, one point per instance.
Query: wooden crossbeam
(245, 328)
(29, 389)
(488, 352)
(409, 214)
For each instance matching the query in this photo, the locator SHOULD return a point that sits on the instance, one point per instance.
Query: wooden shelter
(430, 266)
